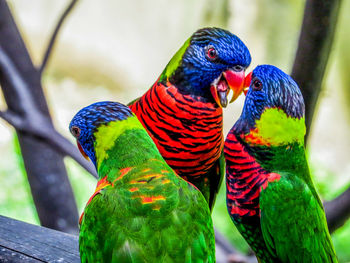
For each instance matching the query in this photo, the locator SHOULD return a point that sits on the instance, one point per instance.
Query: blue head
(86, 122)
(211, 61)
(271, 88)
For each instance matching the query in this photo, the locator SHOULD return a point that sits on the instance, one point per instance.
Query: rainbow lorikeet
(141, 210)
(182, 111)
(270, 195)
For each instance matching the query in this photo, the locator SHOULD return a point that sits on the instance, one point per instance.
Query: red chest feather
(244, 179)
(187, 131)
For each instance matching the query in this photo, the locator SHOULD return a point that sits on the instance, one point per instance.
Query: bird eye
(257, 85)
(75, 131)
(212, 54)
(238, 68)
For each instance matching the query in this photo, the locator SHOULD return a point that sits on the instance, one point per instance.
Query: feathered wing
(293, 222)
(133, 232)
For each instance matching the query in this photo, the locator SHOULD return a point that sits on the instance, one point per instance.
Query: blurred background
(115, 50)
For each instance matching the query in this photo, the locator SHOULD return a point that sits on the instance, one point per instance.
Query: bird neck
(283, 158)
(122, 144)
(276, 128)
(277, 141)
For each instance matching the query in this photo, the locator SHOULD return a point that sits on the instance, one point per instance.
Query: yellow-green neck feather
(175, 61)
(106, 136)
(276, 128)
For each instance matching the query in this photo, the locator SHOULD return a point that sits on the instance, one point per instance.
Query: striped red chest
(187, 131)
(245, 179)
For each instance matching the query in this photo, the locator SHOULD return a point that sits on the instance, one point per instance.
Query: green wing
(124, 230)
(293, 222)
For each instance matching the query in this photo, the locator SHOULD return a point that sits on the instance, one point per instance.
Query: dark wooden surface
(22, 242)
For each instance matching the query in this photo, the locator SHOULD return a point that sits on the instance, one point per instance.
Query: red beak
(235, 81)
(229, 80)
(82, 151)
(247, 81)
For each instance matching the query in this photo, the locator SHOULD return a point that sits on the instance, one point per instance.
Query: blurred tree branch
(338, 210)
(31, 121)
(54, 35)
(315, 44)
(314, 47)
(21, 85)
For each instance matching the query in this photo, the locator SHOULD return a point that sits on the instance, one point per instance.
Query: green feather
(293, 222)
(145, 213)
(274, 123)
(174, 62)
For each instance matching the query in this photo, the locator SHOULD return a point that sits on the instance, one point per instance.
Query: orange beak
(82, 151)
(228, 80)
(246, 84)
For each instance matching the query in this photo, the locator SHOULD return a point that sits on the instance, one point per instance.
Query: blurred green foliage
(15, 198)
(277, 25)
(343, 56)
